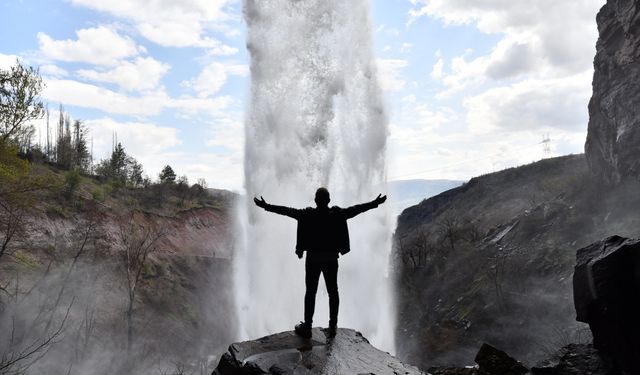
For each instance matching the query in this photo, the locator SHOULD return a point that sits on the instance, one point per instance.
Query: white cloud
(144, 73)
(406, 47)
(190, 106)
(219, 169)
(6, 61)
(461, 74)
(140, 139)
(544, 38)
(85, 95)
(390, 73)
(155, 146)
(170, 23)
(100, 45)
(51, 70)
(436, 71)
(150, 103)
(227, 133)
(213, 77)
(558, 103)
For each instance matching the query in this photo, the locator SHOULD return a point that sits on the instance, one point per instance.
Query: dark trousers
(329, 269)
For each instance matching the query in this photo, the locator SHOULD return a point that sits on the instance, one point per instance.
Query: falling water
(316, 118)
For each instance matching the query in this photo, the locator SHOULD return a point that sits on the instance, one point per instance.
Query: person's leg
(312, 276)
(330, 273)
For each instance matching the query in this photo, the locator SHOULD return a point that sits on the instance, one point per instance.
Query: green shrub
(71, 183)
(98, 194)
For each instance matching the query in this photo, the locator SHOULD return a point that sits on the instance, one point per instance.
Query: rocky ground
(287, 353)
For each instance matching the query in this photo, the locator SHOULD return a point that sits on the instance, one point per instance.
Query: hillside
(407, 193)
(77, 271)
(491, 261)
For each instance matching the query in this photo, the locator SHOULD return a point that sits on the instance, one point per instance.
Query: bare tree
(86, 231)
(21, 350)
(137, 241)
(450, 230)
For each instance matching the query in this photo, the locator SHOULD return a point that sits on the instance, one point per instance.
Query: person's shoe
(332, 330)
(303, 329)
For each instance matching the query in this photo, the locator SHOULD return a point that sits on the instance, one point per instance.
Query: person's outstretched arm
(352, 211)
(280, 210)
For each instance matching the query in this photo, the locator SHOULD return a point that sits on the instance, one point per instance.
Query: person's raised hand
(380, 199)
(260, 202)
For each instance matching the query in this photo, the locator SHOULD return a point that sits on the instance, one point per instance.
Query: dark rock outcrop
(286, 353)
(606, 286)
(495, 361)
(454, 371)
(575, 359)
(490, 360)
(613, 140)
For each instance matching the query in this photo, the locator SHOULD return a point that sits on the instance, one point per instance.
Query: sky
(471, 86)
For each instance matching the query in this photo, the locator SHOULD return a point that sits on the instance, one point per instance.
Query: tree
(167, 175)
(137, 241)
(118, 163)
(183, 189)
(135, 173)
(81, 156)
(64, 146)
(122, 168)
(20, 103)
(18, 189)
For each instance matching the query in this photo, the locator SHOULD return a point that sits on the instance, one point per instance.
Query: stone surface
(613, 140)
(575, 359)
(286, 353)
(606, 285)
(496, 362)
(454, 371)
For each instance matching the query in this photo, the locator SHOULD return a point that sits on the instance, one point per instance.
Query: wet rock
(614, 110)
(287, 353)
(496, 362)
(606, 284)
(575, 359)
(454, 371)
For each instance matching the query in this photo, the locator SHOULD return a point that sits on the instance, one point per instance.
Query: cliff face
(613, 141)
(73, 257)
(492, 261)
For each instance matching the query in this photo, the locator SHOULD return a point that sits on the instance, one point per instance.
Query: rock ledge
(287, 353)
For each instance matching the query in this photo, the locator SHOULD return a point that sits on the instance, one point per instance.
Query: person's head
(322, 197)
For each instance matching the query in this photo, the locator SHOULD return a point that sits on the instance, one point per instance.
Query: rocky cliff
(613, 141)
(491, 261)
(75, 265)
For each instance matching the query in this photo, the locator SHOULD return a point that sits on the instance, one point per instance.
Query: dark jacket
(322, 230)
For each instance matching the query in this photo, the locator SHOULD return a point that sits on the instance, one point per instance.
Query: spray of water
(316, 118)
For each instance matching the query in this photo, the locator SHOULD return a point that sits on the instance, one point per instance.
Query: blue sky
(471, 85)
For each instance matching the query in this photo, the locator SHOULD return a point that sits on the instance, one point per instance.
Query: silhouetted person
(323, 234)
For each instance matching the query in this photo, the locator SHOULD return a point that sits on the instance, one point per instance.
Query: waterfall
(316, 117)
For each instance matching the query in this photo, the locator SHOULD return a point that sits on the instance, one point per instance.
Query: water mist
(316, 118)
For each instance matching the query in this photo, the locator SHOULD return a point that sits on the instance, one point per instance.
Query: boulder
(496, 362)
(575, 359)
(613, 140)
(287, 353)
(606, 285)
